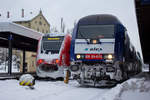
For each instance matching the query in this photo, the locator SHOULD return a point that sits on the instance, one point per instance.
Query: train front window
(51, 44)
(95, 31)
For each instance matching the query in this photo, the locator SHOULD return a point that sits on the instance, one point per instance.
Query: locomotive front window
(96, 31)
(51, 44)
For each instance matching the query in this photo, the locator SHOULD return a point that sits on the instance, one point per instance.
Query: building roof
(18, 18)
(42, 16)
(19, 30)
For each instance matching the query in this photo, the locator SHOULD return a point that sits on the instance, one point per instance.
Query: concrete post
(10, 54)
(149, 68)
(24, 61)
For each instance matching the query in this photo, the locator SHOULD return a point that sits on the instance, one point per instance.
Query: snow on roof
(17, 17)
(55, 34)
(19, 29)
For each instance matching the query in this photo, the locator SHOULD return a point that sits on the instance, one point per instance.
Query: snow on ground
(46, 90)
(137, 88)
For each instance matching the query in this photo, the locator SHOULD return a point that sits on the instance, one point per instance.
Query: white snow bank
(133, 89)
(137, 88)
(47, 90)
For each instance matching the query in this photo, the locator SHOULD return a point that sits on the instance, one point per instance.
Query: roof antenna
(22, 13)
(40, 11)
(8, 14)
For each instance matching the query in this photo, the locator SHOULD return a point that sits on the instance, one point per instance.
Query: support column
(149, 68)
(24, 61)
(10, 55)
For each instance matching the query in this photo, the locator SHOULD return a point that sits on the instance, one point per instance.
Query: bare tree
(54, 29)
(63, 26)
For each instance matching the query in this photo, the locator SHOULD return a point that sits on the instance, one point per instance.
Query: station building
(36, 22)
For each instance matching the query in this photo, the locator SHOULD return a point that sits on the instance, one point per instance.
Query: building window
(40, 23)
(35, 22)
(46, 31)
(44, 24)
(40, 17)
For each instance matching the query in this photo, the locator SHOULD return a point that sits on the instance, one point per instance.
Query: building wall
(39, 24)
(26, 24)
(31, 61)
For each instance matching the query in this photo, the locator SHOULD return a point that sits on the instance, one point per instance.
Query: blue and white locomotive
(101, 50)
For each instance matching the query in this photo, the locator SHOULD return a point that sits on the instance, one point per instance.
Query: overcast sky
(73, 10)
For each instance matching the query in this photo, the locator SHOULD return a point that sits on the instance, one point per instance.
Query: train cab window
(96, 31)
(52, 45)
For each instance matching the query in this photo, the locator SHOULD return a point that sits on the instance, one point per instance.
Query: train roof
(54, 34)
(99, 19)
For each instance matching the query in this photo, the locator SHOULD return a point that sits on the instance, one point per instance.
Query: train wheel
(118, 72)
(130, 69)
(140, 68)
(121, 72)
(137, 68)
(125, 72)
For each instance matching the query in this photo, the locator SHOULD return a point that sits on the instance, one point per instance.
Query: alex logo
(93, 49)
(86, 49)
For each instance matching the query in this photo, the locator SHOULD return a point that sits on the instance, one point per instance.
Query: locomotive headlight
(94, 41)
(78, 56)
(110, 56)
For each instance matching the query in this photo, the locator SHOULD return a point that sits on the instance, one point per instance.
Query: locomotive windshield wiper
(84, 38)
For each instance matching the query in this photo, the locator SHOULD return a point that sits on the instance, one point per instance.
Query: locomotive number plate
(93, 56)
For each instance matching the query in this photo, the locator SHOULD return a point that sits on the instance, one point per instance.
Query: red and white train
(48, 56)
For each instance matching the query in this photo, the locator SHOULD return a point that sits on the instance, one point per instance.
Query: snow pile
(133, 89)
(112, 94)
(47, 90)
(137, 88)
